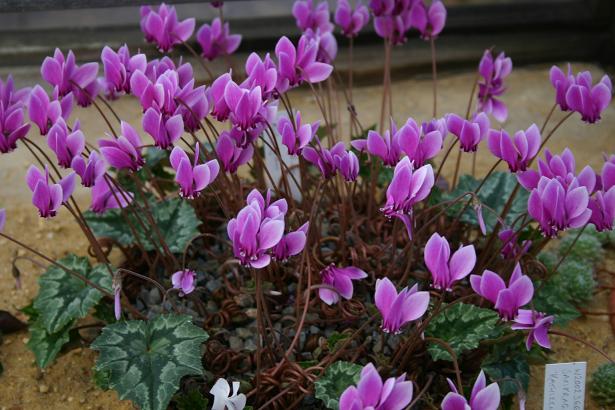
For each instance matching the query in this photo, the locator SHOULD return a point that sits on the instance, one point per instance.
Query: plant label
(564, 386)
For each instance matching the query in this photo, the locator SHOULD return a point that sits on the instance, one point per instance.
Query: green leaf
(45, 345)
(175, 219)
(146, 360)
(337, 378)
(507, 364)
(494, 193)
(192, 400)
(63, 298)
(463, 327)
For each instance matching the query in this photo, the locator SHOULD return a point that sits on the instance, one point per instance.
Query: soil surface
(67, 383)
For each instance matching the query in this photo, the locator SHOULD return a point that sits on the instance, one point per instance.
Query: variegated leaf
(337, 378)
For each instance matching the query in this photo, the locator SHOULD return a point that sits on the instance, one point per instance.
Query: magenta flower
(117, 296)
(470, 132)
(351, 21)
(65, 74)
(45, 112)
(371, 393)
(163, 28)
(446, 269)
(216, 39)
(2, 218)
(340, 279)
(393, 27)
(389, 146)
(245, 107)
(561, 167)
(64, 143)
(118, 68)
(510, 248)
(382, 7)
(164, 131)
(296, 136)
(106, 196)
(184, 280)
(517, 151)
(348, 165)
(329, 161)
(557, 208)
(296, 65)
(47, 196)
(261, 73)
(483, 397)
(509, 299)
(192, 177)
(493, 72)
(602, 204)
(90, 171)
(12, 126)
(431, 136)
(580, 95)
(220, 111)
(258, 227)
(310, 17)
(407, 188)
(428, 20)
(397, 309)
(291, 244)
(230, 155)
(125, 151)
(538, 325)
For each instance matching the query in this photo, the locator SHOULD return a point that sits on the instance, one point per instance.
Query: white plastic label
(565, 386)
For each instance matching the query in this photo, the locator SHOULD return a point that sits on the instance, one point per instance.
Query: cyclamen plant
(277, 267)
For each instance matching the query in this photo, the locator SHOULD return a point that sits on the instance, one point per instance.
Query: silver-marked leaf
(45, 345)
(337, 378)
(146, 360)
(175, 219)
(63, 298)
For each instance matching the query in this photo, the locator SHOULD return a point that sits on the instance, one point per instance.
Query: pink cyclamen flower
(310, 17)
(431, 136)
(446, 269)
(296, 136)
(164, 130)
(65, 74)
(538, 325)
(561, 167)
(372, 393)
(89, 171)
(258, 227)
(230, 154)
(579, 94)
(470, 132)
(192, 177)
(510, 248)
(351, 21)
(390, 146)
(483, 397)
(12, 126)
(245, 106)
(45, 112)
(219, 110)
(184, 280)
(493, 72)
(296, 65)
(517, 151)
(509, 299)
(125, 151)
(117, 296)
(602, 206)
(340, 279)
(397, 309)
(2, 218)
(329, 161)
(557, 208)
(118, 68)
(393, 27)
(163, 28)
(428, 20)
(105, 196)
(382, 7)
(47, 196)
(407, 188)
(262, 73)
(291, 244)
(66, 144)
(216, 39)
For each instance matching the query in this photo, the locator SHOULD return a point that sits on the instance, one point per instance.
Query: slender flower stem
(565, 255)
(350, 79)
(432, 43)
(586, 343)
(550, 134)
(448, 152)
(456, 174)
(200, 60)
(450, 351)
(423, 391)
(100, 111)
(544, 125)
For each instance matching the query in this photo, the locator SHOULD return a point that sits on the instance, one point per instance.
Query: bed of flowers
(268, 262)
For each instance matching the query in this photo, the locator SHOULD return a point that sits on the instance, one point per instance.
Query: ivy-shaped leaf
(45, 345)
(463, 327)
(494, 193)
(507, 363)
(191, 400)
(175, 219)
(337, 378)
(63, 298)
(146, 360)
